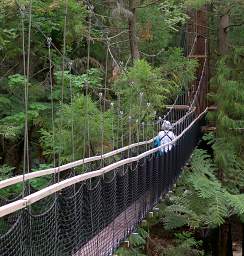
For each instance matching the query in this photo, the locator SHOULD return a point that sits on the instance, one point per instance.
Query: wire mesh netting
(94, 216)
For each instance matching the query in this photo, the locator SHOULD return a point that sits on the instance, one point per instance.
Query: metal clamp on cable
(49, 42)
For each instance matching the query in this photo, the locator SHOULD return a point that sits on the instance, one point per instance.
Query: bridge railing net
(94, 216)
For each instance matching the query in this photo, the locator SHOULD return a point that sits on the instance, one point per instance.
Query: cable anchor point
(49, 42)
(22, 11)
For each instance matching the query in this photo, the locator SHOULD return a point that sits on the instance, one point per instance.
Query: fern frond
(237, 203)
(173, 221)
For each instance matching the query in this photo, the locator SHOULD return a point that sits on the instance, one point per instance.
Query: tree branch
(235, 25)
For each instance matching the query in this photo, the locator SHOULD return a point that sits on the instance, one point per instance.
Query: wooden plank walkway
(112, 235)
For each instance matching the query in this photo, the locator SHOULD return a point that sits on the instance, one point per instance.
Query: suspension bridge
(92, 213)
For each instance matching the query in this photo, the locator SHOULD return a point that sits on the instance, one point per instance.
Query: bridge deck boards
(112, 235)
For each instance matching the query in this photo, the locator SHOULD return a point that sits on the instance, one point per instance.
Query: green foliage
(12, 106)
(174, 14)
(158, 85)
(48, 20)
(76, 115)
(153, 31)
(141, 78)
(229, 95)
(137, 244)
(42, 182)
(185, 244)
(209, 138)
(196, 3)
(199, 199)
(124, 252)
(142, 84)
(5, 171)
(93, 78)
(8, 30)
(139, 239)
(178, 69)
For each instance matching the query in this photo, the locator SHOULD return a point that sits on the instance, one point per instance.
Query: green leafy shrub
(137, 243)
(77, 115)
(199, 199)
(185, 244)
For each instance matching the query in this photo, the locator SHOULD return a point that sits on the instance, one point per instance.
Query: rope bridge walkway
(91, 213)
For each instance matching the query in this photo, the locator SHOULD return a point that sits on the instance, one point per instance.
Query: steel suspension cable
(112, 124)
(26, 159)
(26, 143)
(139, 118)
(118, 120)
(101, 128)
(49, 43)
(22, 9)
(62, 79)
(72, 114)
(87, 121)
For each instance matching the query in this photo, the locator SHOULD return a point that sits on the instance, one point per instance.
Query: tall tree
(132, 31)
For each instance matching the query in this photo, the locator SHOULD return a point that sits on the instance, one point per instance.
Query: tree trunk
(225, 240)
(135, 55)
(229, 244)
(242, 239)
(223, 34)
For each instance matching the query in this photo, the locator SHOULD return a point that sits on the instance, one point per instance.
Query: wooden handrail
(37, 196)
(41, 173)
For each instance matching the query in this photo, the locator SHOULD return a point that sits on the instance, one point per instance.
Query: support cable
(112, 125)
(26, 142)
(22, 11)
(62, 78)
(101, 128)
(72, 114)
(49, 43)
(87, 121)
(26, 164)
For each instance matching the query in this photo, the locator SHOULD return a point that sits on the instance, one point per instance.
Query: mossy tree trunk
(135, 55)
(223, 33)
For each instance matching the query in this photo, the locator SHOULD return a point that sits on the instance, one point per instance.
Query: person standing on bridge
(165, 136)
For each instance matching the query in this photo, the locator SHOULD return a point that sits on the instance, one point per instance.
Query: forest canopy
(82, 78)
